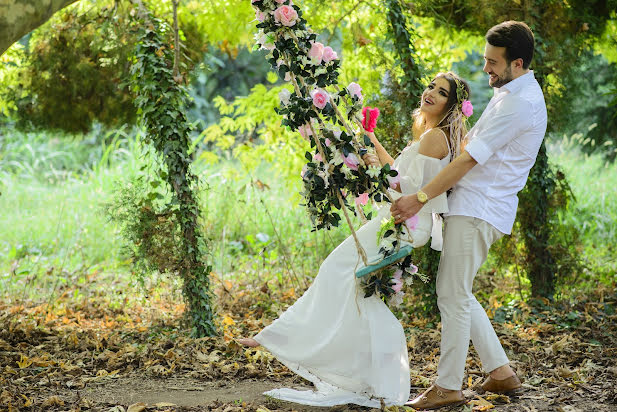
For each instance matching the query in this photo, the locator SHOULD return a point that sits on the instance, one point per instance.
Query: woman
(353, 348)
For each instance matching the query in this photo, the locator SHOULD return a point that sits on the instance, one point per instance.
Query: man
(486, 177)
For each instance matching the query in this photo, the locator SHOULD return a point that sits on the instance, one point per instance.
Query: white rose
(284, 96)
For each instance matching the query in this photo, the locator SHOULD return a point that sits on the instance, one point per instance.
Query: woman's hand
(371, 160)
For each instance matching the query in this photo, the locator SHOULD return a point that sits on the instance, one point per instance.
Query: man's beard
(504, 79)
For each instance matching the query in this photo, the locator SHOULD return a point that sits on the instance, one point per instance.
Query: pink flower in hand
(394, 181)
(362, 199)
(412, 222)
(467, 108)
(286, 15)
(354, 89)
(320, 98)
(369, 118)
(329, 54)
(351, 161)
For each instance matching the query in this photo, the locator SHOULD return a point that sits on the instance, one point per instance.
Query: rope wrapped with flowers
(334, 172)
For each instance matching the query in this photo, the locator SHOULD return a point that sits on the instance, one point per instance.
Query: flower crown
(462, 97)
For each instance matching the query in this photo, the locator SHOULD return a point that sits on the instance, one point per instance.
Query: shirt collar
(516, 84)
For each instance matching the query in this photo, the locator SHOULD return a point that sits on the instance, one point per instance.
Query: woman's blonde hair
(453, 121)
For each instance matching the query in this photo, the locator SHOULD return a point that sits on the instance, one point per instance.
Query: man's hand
(371, 160)
(405, 207)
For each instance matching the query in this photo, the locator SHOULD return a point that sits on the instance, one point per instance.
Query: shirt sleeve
(512, 115)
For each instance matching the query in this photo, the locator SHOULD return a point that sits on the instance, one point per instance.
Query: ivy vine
(161, 102)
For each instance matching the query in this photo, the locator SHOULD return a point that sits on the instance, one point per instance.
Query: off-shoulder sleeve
(416, 171)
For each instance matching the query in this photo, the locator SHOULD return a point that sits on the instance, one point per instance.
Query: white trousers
(465, 248)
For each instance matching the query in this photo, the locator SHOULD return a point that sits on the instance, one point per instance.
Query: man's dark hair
(516, 37)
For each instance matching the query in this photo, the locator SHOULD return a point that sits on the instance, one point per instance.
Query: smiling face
(435, 97)
(496, 66)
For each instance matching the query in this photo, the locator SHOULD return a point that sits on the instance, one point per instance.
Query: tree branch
(177, 77)
(20, 17)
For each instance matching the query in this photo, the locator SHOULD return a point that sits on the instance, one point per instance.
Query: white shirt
(505, 143)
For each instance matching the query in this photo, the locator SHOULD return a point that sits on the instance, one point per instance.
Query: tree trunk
(20, 17)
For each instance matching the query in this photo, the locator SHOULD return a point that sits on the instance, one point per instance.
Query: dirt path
(231, 396)
(186, 392)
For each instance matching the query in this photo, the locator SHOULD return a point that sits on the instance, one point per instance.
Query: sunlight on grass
(54, 229)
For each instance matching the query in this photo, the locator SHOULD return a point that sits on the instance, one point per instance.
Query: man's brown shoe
(508, 385)
(434, 398)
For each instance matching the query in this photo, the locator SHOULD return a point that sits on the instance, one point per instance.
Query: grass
(594, 212)
(54, 230)
(53, 189)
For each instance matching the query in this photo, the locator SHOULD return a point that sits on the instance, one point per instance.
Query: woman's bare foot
(250, 342)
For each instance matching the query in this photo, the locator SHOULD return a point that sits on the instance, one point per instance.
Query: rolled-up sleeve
(512, 115)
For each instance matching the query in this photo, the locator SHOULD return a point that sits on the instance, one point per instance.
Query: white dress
(352, 348)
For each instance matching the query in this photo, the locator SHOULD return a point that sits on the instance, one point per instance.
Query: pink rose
(354, 89)
(467, 108)
(362, 199)
(260, 15)
(316, 52)
(329, 54)
(320, 98)
(394, 181)
(318, 157)
(412, 222)
(305, 131)
(397, 285)
(351, 161)
(286, 15)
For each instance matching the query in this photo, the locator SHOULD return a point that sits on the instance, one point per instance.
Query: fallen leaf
(136, 407)
(52, 401)
(480, 404)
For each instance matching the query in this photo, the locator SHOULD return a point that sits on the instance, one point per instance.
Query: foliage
(151, 231)
(592, 87)
(161, 102)
(402, 85)
(221, 73)
(545, 256)
(72, 70)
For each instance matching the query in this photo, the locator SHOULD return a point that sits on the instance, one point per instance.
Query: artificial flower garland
(334, 172)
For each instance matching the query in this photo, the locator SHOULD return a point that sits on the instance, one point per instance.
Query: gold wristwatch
(422, 197)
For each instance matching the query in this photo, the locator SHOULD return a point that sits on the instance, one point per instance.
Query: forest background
(93, 274)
